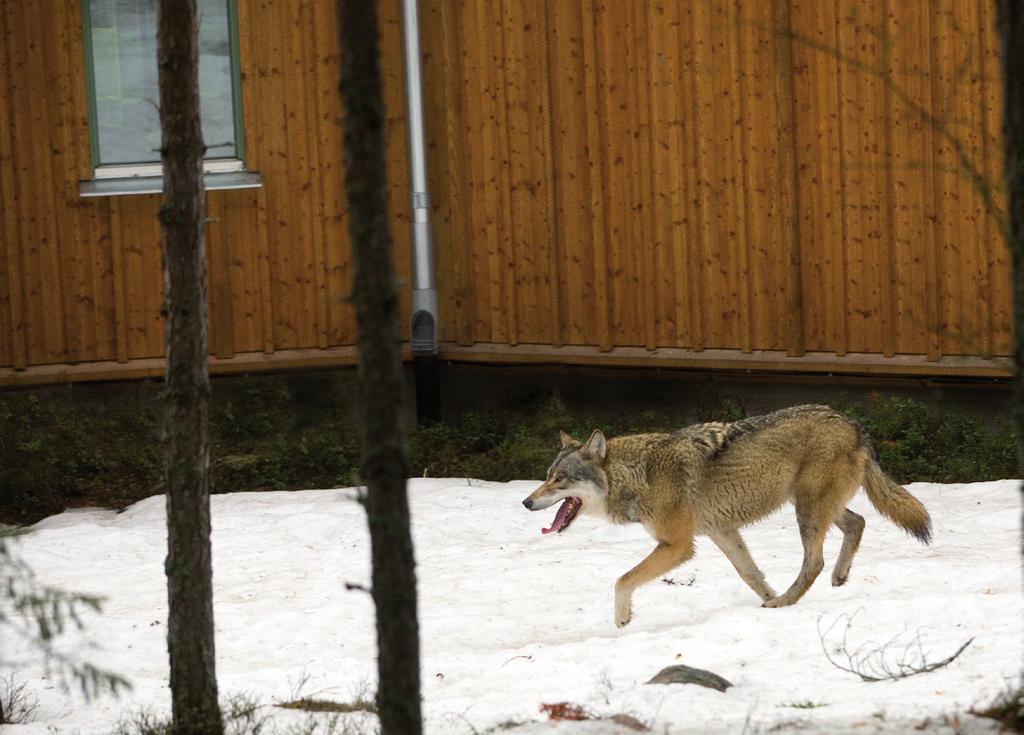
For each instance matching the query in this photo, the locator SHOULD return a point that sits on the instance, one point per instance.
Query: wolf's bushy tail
(895, 503)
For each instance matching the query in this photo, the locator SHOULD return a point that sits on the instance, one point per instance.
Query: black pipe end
(428, 388)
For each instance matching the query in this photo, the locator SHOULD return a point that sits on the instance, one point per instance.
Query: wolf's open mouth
(565, 515)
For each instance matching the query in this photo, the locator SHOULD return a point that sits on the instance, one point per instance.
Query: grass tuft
(1007, 709)
(806, 704)
(17, 702)
(311, 704)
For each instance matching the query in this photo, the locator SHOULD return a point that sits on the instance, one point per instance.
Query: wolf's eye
(560, 477)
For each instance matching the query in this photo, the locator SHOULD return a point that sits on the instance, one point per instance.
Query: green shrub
(919, 442)
(248, 409)
(297, 431)
(54, 453)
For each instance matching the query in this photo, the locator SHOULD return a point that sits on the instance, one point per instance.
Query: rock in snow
(683, 674)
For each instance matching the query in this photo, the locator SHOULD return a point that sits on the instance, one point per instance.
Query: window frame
(213, 165)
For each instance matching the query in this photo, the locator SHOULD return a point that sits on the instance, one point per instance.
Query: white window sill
(126, 186)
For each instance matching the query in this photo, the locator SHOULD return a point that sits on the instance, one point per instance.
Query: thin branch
(39, 614)
(882, 662)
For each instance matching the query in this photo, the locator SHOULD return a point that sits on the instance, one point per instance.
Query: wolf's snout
(528, 503)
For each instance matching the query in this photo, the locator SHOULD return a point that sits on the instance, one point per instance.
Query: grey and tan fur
(713, 479)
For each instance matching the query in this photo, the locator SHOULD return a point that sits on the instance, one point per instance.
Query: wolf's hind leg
(852, 526)
(667, 555)
(812, 534)
(731, 544)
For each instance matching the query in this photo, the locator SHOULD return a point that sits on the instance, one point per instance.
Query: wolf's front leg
(623, 603)
(667, 555)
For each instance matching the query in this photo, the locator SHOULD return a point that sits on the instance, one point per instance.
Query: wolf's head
(576, 477)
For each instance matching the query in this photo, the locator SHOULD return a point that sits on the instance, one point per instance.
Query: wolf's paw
(839, 581)
(623, 603)
(623, 614)
(779, 601)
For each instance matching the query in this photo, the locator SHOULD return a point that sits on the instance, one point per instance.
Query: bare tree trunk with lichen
(375, 293)
(1011, 40)
(187, 392)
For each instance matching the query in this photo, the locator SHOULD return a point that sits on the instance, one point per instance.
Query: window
(124, 120)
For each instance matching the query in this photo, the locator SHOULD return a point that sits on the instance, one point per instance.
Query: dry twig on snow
(888, 661)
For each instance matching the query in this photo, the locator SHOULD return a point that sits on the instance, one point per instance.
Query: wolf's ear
(596, 446)
(567, 441)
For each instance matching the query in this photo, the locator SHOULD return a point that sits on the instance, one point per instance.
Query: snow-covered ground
(511, 619)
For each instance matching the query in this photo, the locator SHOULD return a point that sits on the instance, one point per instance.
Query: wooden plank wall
(777, 175)
(715, 175)
(80, 279)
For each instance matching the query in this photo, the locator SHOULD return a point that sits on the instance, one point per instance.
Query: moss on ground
(66, 447)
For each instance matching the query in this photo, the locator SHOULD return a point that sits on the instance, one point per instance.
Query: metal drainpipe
(423, 326)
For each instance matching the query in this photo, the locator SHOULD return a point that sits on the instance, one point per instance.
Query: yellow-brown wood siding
(720, 175)
(81, 278)
(761, 179)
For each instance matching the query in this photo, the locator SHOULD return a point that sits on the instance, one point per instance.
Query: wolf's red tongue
(559, 523)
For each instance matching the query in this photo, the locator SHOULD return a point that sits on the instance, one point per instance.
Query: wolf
(713, 479)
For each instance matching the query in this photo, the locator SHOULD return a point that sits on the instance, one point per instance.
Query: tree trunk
(1011, 39)
(187, 390)
(375, 293)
